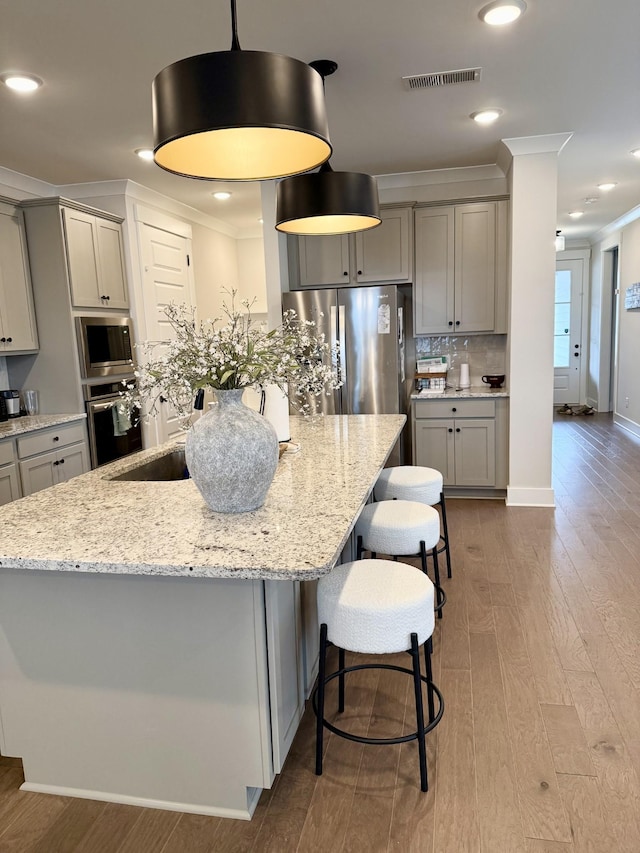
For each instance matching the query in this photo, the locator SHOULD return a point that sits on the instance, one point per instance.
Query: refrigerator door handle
(333, 332)
(342, 324)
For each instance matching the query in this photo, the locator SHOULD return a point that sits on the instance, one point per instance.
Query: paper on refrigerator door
(384, 319)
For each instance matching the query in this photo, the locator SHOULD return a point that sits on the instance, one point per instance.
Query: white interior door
(567, 348)
(166, 280)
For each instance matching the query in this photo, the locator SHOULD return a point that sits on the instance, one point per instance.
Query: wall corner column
(533, 180)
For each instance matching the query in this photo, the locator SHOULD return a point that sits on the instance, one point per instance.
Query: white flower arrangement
(239, 354)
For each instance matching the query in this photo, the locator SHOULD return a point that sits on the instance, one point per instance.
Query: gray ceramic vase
(232, 455)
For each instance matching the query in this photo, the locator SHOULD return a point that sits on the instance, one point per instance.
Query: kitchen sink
(171, 466)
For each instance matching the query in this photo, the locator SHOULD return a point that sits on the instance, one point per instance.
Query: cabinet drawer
(6, 452)
(50, 439)
(455, 408)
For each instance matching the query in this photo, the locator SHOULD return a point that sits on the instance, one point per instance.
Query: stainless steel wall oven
(111, 434)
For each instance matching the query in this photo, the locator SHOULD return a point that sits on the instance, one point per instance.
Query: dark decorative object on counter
(494, 380)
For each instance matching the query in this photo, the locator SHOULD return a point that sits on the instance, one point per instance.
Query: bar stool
(416, 483)
(402, 529)
(377, 607)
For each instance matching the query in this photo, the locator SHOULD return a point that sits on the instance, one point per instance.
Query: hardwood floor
(538, 659)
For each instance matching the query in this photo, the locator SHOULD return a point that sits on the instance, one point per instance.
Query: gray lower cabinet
(51, 456)
(9, 479)
(466, 440)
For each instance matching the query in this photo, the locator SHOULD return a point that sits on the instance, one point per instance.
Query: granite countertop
(31, 423)
(475, 391)
(95, 524)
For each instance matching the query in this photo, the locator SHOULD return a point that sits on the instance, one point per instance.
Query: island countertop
(95, 524)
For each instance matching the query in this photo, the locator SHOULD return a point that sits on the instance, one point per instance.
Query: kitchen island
(156, 653)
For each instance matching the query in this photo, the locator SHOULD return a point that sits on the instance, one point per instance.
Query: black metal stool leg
(341, 681)
(320, 709)
(359, 548)
(440, 596)
(445, 531)
(428, 648)
(417, 682)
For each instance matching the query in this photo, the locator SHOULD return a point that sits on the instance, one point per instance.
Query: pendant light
(239, 115)
(327, 202)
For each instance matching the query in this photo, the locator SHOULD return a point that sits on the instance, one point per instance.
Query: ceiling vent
(442, 78)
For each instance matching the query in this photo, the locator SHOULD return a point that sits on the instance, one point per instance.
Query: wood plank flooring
(538, 657)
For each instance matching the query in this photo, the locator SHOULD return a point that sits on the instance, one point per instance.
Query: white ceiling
(566, 65)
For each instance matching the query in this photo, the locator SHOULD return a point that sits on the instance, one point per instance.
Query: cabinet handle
(457, 321)
(3, 340)
(62, 460)
(359, 272)
(107, 298)
(450, 429)
(56, 438)
(345, 273)
(451, 322)
(454, 409)
(9, 340)
(56, 462)
(457, 429)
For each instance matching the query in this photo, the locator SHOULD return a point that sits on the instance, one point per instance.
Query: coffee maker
(11, 400)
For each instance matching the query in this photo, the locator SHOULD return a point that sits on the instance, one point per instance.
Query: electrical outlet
(626, 402)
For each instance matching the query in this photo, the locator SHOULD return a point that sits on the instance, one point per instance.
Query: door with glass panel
(567, 341)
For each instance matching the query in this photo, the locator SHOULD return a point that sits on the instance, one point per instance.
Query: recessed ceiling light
(486, 116)
(144, 153)
(635, 152)
(502, 12)
(221, 196)
(21, 82)
(576, 214)
(607, 186)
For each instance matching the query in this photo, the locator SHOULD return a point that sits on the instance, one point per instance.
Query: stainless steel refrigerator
(372, 327)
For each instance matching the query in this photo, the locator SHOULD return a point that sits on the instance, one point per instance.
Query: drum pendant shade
(239, 115)
(327, 202)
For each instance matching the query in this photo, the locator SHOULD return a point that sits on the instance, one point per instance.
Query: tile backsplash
(483, 353)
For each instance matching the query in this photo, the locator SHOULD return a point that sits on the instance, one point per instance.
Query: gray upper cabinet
(461, 269)
(96, 261)
(17, 317)
(383, 254)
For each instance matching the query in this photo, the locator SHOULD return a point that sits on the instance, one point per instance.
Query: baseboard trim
(626, 423)
(530, 497)
(253, 795)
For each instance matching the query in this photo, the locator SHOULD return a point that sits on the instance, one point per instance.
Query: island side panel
(139, 689)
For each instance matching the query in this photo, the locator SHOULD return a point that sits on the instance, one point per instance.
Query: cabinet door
(71, 461)
(38, 473)
(9, 484)
(17, 317)
(433, 293)
(82, 257)
(111, 264)
(434, 447)
(323, 260)
(475, 452)
(384, 253)
(475, 267)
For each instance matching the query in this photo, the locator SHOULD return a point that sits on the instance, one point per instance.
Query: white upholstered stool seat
(415, 483)
(373, 606)
(377, 607)
(409, 483)
(398, 527)
(401, 529)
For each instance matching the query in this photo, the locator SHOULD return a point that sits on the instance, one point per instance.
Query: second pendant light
(327, 202)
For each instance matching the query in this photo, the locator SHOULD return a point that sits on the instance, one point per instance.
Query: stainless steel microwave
(105, 346)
